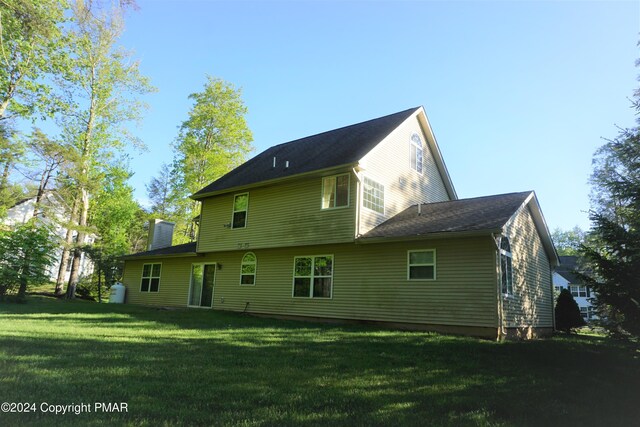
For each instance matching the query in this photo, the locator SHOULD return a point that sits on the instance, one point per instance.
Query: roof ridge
(340, 128)
(475, 198)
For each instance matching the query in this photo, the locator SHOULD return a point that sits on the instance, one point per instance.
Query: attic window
(335, 191)
(416, 153)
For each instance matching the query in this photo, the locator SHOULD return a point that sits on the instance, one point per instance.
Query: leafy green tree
(568, 242)
(213, 140)
(567, 312)
(31, 44)
(11, 152)
(114, 213)
(102, 89)
(614, 254)
(25, 255)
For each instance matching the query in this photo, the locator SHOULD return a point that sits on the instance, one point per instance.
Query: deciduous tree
(568, 242)
(102, 90)
(25, 255)
(30, 47)
(213, 140)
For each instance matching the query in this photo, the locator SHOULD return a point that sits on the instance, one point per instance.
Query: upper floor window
(248, 269)
(421, 264)
(313, 276)
(579, 291)
(373, 195)
(416, 153)
(335, 191)
(150, 277)
(240, 208)
(506, 267)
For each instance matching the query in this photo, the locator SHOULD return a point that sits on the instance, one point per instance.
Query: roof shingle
(325, 150)
(466, 215)
(184, 249)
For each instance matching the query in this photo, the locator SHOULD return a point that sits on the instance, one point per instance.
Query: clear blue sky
(519, 94)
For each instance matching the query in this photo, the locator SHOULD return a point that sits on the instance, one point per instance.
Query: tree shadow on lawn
(252, 371)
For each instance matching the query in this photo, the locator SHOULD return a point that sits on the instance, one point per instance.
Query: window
(373, 197)
(240, 206)
(335, 191)
(558, 288)
(587, 313)
(578, 290)
(248, 269)
(150, 278)
(421, 264)
(312, 276)
(506, 267)
(416, 153)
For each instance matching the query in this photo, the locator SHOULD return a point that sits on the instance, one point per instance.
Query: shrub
(567, 312)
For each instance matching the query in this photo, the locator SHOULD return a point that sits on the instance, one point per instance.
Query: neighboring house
(52, 210)
(565, 277)
(360, 223)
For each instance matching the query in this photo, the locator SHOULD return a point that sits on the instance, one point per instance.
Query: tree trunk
(99, 282)
(62, 271)
(22, 290)
(5, 175)
(77, 253)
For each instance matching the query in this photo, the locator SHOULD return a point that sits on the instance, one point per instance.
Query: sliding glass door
(201, 288)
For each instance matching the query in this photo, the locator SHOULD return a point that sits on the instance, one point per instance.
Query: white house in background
(52, 211)
(564, 277)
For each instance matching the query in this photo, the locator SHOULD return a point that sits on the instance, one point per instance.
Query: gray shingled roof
(568, 267)
(488, 213)
(325, 150)
(184, 249)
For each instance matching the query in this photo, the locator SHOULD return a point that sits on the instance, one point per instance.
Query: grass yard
(200, 367)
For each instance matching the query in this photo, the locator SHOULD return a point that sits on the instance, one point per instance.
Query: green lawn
(200, 367)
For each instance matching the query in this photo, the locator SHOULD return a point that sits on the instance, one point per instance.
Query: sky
(519, 94)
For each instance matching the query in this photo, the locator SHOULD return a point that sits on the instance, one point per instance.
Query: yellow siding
(287, 214)
(389, 164)
(369, 283)
(172, 291)
(532, 301)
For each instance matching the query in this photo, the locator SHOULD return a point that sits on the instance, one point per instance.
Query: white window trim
(348, 175)
(509, 255)
(142, 276)
(213, 295)
(384, 207)
(255, 272)
(580, 289)
(412, 143)
(409, 265)
(233, 211)
(293, 282)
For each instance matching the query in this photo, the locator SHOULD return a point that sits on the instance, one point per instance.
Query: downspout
(357, 203)
(502, 333)
(553, 301)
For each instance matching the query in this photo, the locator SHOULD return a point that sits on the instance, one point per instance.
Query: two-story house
(53, 211)
(360, 223)
(565, 277)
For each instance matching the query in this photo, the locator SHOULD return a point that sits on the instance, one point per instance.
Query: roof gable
(343, 146)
